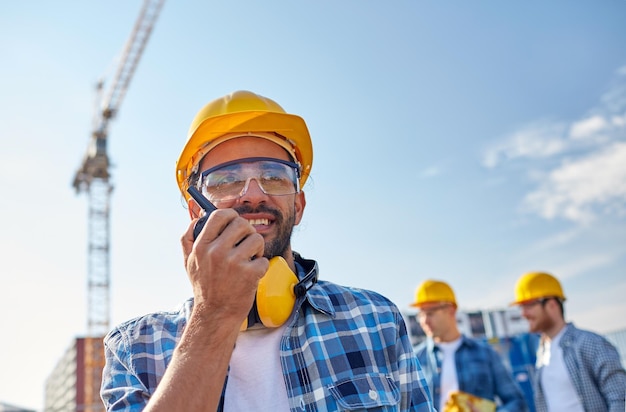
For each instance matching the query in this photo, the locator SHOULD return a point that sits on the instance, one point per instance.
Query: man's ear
(194, 209)
(299, 204)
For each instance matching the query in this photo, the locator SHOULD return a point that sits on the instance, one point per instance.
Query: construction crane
(93, 175)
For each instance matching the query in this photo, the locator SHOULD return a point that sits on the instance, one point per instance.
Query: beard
(541, 323)
(284, 228)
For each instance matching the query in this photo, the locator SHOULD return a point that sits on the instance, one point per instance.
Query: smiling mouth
(255, 222)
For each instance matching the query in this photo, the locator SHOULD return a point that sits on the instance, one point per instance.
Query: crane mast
(93, 175)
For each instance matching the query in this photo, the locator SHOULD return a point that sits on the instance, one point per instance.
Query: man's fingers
(187, 240)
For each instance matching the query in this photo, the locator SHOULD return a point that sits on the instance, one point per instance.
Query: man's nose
(252, 191)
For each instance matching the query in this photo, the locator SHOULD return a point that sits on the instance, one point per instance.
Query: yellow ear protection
(276, 294)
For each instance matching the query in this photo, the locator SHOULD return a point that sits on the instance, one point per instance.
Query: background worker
(235, 346)
(452, 361)
(577, 370)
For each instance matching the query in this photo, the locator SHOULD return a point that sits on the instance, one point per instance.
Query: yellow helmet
(244, 112)
(537, 285)
(433, 291)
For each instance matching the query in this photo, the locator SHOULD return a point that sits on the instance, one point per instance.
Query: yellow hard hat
(244, 112)
(433, 291)
(537, 285)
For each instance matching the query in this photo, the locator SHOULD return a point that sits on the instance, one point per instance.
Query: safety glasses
(230, 180)
(425, 313)
(530, 304)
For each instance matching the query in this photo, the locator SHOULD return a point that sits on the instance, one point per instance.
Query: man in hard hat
(261, 332)
(453, 362)
(577, 370)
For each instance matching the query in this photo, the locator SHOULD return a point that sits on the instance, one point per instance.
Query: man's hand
(224, 266)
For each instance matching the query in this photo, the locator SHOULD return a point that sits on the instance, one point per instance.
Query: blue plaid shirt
(344, 349)
(479, 370)
(595, 369)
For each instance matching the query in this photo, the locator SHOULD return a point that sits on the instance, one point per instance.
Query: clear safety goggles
(230, 180)
(531, 303)
(428, 313)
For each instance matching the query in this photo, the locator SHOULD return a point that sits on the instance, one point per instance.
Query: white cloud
(430, 172)
(539, 140)
(619, 121)
(577, 188)
(588, 127)
(590, 157)
(557, 240)
(579, 265)
(614, 100)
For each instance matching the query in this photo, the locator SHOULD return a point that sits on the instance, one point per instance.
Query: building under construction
(74, 384)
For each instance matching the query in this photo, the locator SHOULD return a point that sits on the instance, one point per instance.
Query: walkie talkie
(204, 204)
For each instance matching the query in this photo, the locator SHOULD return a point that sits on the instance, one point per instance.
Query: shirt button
(373, 394)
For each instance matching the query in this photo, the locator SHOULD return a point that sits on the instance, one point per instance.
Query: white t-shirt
(255, 379)
(556, 383)
(449, 381)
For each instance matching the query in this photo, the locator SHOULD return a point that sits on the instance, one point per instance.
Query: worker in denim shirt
(453, 362)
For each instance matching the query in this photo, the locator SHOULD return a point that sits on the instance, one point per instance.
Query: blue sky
(470, 142)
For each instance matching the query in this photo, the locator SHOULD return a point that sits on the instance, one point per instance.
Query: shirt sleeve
(507, 390)
(415, 395)
(121, 389)
(610, 376)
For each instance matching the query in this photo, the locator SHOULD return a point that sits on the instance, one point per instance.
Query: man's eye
(272, 174)
(222, 179)
(273, 178)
